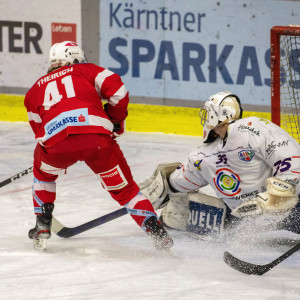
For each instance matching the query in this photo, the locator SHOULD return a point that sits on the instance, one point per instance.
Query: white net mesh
(290, 84)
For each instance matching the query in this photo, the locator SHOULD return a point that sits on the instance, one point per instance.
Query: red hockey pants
(100, 152)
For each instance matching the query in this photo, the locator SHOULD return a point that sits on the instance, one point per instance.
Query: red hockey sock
(140, 209)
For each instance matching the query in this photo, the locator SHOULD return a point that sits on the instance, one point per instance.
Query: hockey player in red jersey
(70, 124)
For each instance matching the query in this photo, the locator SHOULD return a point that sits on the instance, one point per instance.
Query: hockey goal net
(285, 78)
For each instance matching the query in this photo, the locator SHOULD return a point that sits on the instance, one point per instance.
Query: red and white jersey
(255, 150)
(68, 101)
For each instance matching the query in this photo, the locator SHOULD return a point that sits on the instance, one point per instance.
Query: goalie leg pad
(156, 188)
(175, 213)
(195, 213)
(206, 215)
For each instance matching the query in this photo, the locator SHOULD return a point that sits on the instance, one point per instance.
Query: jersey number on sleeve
(282, 165)
(52, 95)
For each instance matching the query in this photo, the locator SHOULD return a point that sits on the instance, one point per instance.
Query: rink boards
(141, 117)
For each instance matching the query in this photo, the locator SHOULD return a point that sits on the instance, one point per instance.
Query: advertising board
(192, 49)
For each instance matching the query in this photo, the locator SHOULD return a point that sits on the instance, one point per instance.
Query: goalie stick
(253, 269)
(66, 232)
(15, 177)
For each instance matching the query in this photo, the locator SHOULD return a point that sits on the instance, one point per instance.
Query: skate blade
(40, 244)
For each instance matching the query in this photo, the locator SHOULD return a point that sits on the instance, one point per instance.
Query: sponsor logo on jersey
(248, 195)
(81, 118)
(292, 181)
(77, 117)
(227, 182)
(273, 146)
(197, 164)
(244, 127)
(246, 155)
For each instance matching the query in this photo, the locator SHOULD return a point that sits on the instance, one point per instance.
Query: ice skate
(161, 238)
(42, 230)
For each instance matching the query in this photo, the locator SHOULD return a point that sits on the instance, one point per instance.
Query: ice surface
(117, 260)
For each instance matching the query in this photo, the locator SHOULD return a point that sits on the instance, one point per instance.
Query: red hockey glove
(119, 126)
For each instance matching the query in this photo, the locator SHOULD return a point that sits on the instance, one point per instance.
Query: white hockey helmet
(65, 53)
(220, 108)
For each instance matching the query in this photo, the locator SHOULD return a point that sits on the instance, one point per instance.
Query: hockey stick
(15, 177)
(253, 269)
(67, 232)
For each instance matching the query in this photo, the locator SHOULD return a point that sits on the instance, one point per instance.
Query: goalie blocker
(193, 212)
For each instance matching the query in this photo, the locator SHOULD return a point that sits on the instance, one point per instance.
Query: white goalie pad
(206, 215)
(195, 213)
(156, 188)
(175, 213)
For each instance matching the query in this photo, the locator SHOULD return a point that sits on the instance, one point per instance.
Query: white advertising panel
(27, 31)
(191, 49)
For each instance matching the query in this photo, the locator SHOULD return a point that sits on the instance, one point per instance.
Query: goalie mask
(65, 54)
(223, 107)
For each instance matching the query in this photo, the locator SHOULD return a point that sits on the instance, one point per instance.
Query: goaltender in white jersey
(252, 165)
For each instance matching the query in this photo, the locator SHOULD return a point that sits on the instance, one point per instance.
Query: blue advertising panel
(192, 49)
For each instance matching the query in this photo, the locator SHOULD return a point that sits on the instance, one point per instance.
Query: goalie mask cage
(285, 78)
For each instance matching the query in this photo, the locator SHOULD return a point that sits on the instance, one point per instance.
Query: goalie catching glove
(157, 188)
(279, 197)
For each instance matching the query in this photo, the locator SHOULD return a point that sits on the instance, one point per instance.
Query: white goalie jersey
(255, 150)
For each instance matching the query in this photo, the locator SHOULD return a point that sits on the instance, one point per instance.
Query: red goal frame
(276, 32)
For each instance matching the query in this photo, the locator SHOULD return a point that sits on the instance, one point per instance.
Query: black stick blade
(252, 269)
(245, 267)
(67, 232)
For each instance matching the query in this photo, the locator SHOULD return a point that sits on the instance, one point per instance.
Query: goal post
(285, 78)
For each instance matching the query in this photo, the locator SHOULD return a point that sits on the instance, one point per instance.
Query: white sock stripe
(139, 197)
(49, 187)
